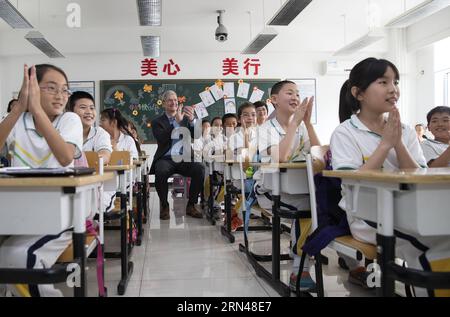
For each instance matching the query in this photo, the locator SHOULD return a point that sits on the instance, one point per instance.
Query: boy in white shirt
(95, 139)
(287, 138)
(437, 151)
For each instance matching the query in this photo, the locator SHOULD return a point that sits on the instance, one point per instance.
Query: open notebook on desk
(61, 171)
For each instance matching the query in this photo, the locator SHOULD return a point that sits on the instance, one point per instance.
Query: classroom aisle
(190, 258)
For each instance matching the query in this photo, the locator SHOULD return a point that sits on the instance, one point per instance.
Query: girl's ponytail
(348, 105)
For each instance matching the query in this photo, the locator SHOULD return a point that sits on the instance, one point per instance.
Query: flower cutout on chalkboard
(159, 102)
(182, 99)
(219, 83)
(148, 88)
(118, 95)
(135, 113)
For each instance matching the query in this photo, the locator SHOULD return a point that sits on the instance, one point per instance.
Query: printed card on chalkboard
(230, 105)
(206, 98)
(200, 110)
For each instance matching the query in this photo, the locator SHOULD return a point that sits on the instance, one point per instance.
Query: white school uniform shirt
(126, 143)
(32, 150)
(271, 133)
(236, 140)
(432, 149)
(352, 144)
(98, 140)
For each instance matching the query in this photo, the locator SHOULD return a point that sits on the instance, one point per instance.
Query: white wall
(424, 73)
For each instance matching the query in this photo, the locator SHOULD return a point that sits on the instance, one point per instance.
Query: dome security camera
(221, 31)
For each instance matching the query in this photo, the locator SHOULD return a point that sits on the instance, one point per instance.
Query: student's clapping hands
(30, 93)
(309, 110)
(34, 94)
(22, 105)
(392, 131)
(302, 113)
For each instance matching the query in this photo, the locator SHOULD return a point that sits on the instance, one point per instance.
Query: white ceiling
(111, 26)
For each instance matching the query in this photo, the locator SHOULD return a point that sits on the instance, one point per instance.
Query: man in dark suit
(172, 157)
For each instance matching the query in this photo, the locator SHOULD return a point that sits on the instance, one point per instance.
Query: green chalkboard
(140, 100)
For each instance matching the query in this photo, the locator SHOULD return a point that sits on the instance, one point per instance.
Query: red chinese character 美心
(149, 66)
(168, 68)
(230, 66)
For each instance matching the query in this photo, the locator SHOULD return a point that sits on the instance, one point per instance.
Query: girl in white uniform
(367, 140)
(115, 124)
(287, 138)
(41, 135)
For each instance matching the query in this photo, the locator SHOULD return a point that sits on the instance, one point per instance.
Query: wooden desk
(415, 201)
(49, 205)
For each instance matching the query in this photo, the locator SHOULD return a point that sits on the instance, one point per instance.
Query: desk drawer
(293, 181)
(41, 212)
(422, 209)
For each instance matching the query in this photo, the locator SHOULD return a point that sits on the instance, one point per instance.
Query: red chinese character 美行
(254, 62)
(168, 68)
(149, 66)
(230, 66)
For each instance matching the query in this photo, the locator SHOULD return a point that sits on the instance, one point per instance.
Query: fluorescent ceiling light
(149, 12)
(418, 13)
(38, 40)
(364, 41)
(12, 16)
(260, 41)
(150, 45)
(288, 12)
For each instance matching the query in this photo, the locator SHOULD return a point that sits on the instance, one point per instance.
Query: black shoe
(164, 212)
(342, 264)
(192, 211)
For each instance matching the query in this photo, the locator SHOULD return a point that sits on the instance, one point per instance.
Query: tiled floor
(189, 257)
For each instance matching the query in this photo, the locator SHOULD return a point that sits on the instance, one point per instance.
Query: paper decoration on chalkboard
(216, 92)
(257, 95)
(243, 90)
(230, 105)
(200, 110)
(228, 90)
(148, 88)
(206, 98)
(118, 95)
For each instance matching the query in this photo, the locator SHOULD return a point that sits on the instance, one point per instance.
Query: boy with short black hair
(437, 151)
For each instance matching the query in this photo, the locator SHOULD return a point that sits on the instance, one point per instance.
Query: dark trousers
(165, 168)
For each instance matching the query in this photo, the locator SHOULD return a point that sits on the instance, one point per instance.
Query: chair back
(120, 158)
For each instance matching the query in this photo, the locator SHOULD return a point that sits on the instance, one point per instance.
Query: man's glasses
(53, 90)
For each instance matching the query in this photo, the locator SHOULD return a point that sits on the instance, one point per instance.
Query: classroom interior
(101, 40)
